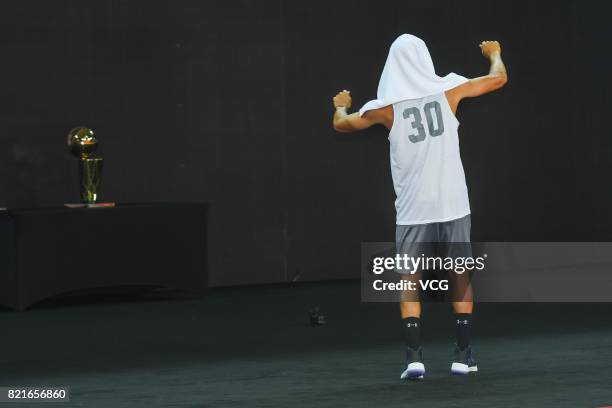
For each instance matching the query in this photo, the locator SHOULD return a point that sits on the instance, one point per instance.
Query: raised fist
(343, 99)
(490, 48)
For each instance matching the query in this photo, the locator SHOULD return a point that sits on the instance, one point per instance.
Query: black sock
(463, 321)
(411, 328)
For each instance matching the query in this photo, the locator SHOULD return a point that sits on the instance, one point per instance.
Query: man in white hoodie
(418, 108)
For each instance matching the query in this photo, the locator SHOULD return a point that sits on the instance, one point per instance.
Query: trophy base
(85, 205)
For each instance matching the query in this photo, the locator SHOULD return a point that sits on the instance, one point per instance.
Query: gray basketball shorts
(437, 239)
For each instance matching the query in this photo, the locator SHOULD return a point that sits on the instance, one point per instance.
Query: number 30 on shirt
(414, 114)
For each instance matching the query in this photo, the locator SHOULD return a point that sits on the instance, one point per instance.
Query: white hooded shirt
(426, 167)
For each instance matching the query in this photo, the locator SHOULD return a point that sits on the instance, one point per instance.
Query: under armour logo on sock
(462, 321)
(412, 325)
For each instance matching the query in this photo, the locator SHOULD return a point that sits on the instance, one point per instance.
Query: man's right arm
(496, 78)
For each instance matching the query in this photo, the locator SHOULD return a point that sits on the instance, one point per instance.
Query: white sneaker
(463, 363)
(416, 368)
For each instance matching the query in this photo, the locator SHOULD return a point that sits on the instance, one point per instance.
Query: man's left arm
(345, 122)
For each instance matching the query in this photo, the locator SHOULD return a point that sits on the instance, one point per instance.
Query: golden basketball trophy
(82, 143)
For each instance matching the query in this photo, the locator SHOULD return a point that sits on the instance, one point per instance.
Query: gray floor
(253, 347)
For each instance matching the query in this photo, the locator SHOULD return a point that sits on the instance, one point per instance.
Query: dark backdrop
(229, 102)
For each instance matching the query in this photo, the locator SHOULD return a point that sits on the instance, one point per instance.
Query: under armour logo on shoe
(412, 325)
(462, 322)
